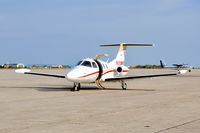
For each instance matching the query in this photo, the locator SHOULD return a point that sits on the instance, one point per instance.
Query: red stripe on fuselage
(90, 74)
(108, 72)
(103, 73)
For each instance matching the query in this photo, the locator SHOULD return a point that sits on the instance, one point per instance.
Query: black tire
(73, 89)
(124, 86)
(78, 87)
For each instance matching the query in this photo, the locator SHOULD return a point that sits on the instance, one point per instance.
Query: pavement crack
(180, 125)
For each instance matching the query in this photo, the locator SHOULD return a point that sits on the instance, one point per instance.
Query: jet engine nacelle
(121, 70)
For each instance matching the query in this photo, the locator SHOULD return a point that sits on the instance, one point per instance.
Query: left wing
(27, 71)
(138, 77)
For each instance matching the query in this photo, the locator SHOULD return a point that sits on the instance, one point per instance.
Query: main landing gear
(76, 87)
(124, 85)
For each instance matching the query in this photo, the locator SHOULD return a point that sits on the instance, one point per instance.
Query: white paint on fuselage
(86, 74)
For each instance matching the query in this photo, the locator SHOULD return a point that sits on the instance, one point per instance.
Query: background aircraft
(97, 71)
(176, 66)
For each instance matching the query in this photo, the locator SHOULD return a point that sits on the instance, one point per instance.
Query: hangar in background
(13, 65)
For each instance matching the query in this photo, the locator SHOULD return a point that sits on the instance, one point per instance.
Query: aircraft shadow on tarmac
(68, 88)
(189, 76)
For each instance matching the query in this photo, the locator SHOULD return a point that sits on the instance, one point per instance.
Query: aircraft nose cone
(71, 76)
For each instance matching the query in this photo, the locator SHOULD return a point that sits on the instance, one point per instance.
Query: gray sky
(65, 31)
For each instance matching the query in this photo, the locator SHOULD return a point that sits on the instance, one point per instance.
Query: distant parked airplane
(97, 71)
(178, 67)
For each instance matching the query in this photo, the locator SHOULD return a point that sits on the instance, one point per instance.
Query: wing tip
(22, 70)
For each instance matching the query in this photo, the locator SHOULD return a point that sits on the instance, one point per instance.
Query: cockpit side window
(94, 64)
(86, 63)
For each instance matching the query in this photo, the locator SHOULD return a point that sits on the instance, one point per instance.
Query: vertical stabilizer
(119, 60)
(162, 64)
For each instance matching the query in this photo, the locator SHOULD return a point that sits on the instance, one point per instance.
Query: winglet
(22, 70)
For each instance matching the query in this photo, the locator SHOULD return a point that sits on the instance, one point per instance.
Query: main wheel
(73, 89)
(124, 85)
(78, 87)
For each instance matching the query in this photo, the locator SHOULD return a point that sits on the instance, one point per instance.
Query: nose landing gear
(124, 85)
(76, 87)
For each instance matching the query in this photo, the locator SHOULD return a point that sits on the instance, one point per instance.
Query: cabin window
(106, 66)
(86, 63)
(94, 64)
(103, 65)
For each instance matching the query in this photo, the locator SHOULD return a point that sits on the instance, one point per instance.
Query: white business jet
(97, 71)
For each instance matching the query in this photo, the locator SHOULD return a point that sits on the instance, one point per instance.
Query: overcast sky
(65, 31)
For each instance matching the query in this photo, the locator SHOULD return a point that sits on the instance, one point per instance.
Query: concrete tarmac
(35, 104)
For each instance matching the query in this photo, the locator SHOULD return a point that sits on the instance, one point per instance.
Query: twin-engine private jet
(97, 71)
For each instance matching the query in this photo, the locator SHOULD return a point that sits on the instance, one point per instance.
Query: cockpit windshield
(79, 63)
(86, 63)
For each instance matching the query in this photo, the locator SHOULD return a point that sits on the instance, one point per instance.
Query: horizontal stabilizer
(128, 45)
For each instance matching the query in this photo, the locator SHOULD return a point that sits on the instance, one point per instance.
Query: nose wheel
(124, 85)
(76, 87)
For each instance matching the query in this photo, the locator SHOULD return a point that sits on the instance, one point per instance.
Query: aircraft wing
(44, 74)
(27, 71)
(138, 77)
(178, 65)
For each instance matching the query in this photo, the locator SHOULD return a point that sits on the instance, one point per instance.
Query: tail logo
(119, 63)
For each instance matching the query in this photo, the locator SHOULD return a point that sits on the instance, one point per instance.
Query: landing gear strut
(124, 85)
(76, 87)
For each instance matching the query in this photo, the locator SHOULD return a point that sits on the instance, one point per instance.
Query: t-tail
(120, 58)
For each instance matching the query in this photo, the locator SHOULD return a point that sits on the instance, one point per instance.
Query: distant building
(13, 65)
(56, 66)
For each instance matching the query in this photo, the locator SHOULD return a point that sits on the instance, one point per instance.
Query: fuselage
(89, 70)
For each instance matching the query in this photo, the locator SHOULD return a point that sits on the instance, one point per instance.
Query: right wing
(27, 71)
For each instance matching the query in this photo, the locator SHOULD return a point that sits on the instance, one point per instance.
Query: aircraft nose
(71, 75)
